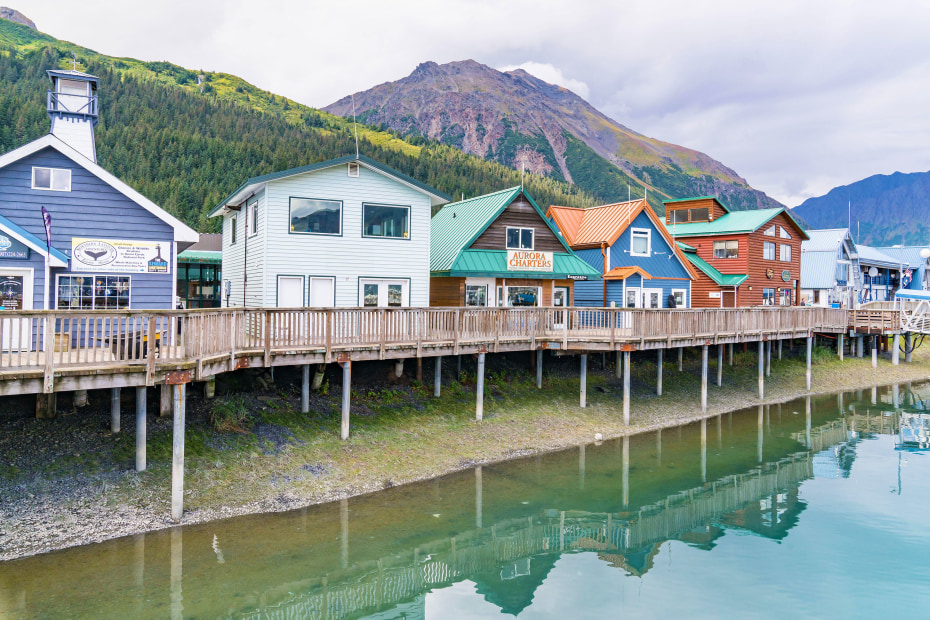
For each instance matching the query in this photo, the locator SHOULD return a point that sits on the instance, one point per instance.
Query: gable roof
(456, 226)
(721, 279)
(714, 198)
(182, 232)
(56, 257)
(252, 184)
(871, 256)
(825, 239)
(622, 273)
(735, 222)
(590, 227)
(909, 254)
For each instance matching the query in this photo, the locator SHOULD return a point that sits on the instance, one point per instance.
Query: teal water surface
(814, 508)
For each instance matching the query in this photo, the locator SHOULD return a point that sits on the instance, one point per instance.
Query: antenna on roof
(629, 193)
(74, 61)
(355, 124)
(522, 173)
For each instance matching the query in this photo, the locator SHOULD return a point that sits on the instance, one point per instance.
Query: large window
(382, 221)
(768, 297)
(768, 250)
(519, 238)
(476, 295)
(784, 253)
(726, 249)
(679, 216)
(699, 215)
(316, 217)
(680, 296)
(93, 292)
(199, 285)
(842, 273)
(523, 295)
(640, 242)
(55, 179)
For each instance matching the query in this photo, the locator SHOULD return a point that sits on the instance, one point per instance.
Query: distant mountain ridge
(16, 17)
(518, 120)
(882, 209)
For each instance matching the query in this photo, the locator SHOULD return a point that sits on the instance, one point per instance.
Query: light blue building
(910, 258)
(628, 243)
(830, 272)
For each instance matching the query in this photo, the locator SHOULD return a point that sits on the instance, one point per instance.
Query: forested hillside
(187, 146)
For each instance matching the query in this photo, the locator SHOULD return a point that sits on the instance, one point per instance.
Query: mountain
(888, 209)
(186, 138)
(15, 16)
(518, 120)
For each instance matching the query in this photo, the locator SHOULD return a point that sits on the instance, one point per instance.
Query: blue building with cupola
(107, 247)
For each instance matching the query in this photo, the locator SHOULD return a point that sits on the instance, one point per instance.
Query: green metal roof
(457, 225)
(686, 247)
(200, 256)
(722, 279)
(493, 264)
(329, 164)
(732, 223)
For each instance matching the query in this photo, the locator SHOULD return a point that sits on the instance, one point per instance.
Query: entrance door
(322, 292)
(290, 292)
(560, 300)
(652, 298)
(15, 294)
(383, 293)
(633, 299)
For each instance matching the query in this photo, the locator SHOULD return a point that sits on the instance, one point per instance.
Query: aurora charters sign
(523, 260)
(119, 256)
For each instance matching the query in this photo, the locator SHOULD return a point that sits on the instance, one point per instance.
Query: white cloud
(792, 95)
(553, 75)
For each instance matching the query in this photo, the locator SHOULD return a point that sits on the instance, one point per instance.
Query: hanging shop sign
(523, 260)
(785, 275)
(120, 256)
(12, 249)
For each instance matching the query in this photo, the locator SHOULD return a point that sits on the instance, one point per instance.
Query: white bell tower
(72, 108)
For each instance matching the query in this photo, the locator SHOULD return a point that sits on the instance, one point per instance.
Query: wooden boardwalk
(107, 349)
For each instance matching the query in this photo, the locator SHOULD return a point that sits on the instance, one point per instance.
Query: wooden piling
(114, 410)
(839, 346)
(140, 428)
(209, 388)
(719, 365)
(681, 359)
(859, 346)
(584, 379)
(165, 400)
(346, 398)
(780, 342)
(730, 353)
(874, 352)
(907, 348)
(768, 358)
(46, 405)
(177, 453)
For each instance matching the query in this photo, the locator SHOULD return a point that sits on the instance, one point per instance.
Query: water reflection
(503, 528)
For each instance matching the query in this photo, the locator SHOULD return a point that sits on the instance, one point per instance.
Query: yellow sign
(120, 256)
(523, 260)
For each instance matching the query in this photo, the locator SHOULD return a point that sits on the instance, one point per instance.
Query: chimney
(72, 109)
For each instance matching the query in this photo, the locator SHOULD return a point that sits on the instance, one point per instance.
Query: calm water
(766, 512)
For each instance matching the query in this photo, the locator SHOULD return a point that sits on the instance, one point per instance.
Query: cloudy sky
(796, 96)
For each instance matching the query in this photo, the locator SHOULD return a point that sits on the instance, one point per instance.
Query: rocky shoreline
(68, 481)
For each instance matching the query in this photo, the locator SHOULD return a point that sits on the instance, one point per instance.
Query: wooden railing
(874, 321)
(59, 340)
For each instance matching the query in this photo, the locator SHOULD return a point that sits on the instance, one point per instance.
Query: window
(54, 179)
(770, 232)
(700, 215)
(523, 295)
(93, 292)
(353, 169)
(371, 295)
(395, 295)
(783, 233)
(316, 217)
(842, 273)
(679, 216)
(640, 242)
(681, 297)
(726, 249)
(253, 218)
(232, 230)
(652, 298)
(768, 297)
(784, 253)
(768, 250)
(381, 221)
(519, 238)
(632, 298)
(476, 295)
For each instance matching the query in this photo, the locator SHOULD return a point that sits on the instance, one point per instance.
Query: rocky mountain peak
(16, 17)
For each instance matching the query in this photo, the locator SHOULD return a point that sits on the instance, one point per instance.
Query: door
(633, 299)
(322, 292)
(15, 294)
(383, 293)
(727, 299)
(560, 300)
(290, 292)
(652, 298)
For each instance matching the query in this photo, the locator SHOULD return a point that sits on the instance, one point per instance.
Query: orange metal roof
(595, 225)
(622, 273)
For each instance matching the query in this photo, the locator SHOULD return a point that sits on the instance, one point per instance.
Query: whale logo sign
(5, 243)
(95, 253)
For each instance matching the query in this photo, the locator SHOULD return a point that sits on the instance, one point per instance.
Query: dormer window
(683, 216)
(519, 238)
(353, 169)
(53, 179)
